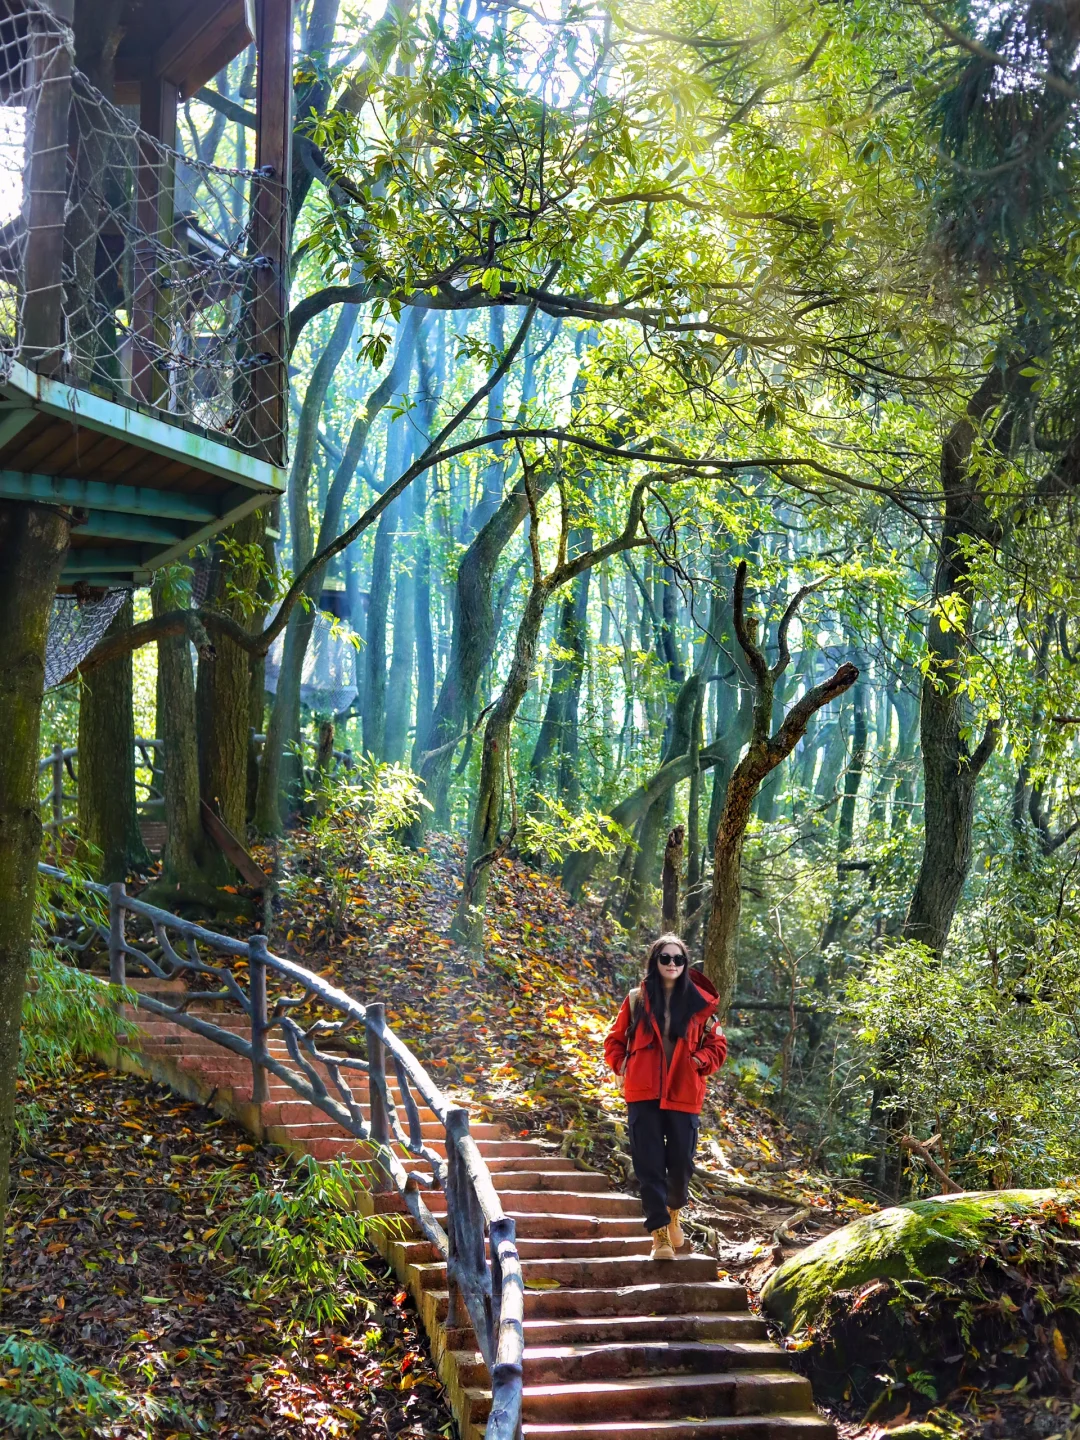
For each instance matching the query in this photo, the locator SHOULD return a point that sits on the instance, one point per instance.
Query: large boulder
(925, 1238)
(901, 1308)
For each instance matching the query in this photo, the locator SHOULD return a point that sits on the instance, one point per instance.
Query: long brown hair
(685, 1000)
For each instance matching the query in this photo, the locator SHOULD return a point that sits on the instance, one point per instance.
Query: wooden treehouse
(143, 286)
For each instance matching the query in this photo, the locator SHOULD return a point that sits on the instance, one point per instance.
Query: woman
(664, 1043)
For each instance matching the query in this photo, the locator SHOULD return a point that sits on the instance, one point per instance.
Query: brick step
(422, 1252)
(594, 1329)
(342, 1148)
(291, 1108)
(657, 1397)
(605, 1272)
(550, 1202)
(805, 1425)
(575, 1364)
(660, 1298)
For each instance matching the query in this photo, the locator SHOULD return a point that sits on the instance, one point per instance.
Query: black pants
(662, 1145)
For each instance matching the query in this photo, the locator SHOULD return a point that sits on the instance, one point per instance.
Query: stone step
(601, 1329)
(656, 1397)
(603, 1272)
(605, 1360)
(659, 1298)
(805, 1425)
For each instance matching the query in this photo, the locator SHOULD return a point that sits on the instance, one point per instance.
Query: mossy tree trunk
(223, 689)
(33, 543)
(107, 816)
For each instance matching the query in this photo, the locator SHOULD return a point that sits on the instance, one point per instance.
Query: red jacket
(680, 1085)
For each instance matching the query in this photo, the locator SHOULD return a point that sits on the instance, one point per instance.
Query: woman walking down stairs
(615, 1344)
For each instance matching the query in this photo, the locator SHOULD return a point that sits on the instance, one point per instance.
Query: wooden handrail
(484, 1276)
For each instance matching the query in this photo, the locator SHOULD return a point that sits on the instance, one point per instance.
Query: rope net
(75, 627)
(160, 271)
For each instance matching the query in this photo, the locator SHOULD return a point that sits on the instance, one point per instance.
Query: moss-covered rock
(921, 1240)
(903, 1309)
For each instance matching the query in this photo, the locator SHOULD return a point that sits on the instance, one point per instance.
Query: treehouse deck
(143, 286)
(150, 488)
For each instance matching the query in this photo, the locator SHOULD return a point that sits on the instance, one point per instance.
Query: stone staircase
(615, 1344)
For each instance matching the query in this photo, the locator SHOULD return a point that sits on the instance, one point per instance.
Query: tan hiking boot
(675, 1231)
(661, 1245)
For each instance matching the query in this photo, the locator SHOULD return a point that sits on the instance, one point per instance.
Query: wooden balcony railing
(129, 266)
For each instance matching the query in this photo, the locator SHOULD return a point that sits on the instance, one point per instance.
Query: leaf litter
(111, 1260)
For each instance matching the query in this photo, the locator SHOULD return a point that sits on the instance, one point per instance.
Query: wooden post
(117, 954)
(457, 1123)
(42, 341)
(380, 1127)
(158, 100)
(260, 1092)
(57, 794)
(270, 223)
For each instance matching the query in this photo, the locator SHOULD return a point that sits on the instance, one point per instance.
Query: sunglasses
(668, 959)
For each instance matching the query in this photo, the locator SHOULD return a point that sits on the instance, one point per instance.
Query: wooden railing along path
(478, 1244)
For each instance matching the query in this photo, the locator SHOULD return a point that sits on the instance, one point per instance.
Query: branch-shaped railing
(483, 1270)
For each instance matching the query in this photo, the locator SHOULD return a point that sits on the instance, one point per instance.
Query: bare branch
(742, 633)
(783, 660)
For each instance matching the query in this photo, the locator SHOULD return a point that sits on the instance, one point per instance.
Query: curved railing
(488, 1285)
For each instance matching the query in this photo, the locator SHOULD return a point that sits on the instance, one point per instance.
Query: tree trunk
(765, 753)
(950, 769)
(425, 643)
(33, 543)
(189, 864)
(374, 715)
(399, 694)
(471, 647)
(845, 830)
(108, 819)
(671, 910)
(468, 926)
(223, 688)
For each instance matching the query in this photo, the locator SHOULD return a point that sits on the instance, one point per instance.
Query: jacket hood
(705, 988)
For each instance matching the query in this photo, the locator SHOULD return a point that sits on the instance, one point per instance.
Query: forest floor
(140, 1292)
(111, 1260)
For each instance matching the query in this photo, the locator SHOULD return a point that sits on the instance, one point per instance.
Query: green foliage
(302, 1237)
(561, 832)
(68, 1014)
(978, 1050)
(44, 1395)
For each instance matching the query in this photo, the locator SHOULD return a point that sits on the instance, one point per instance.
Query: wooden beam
(149, 432)
(13, 421)
(273, 152)
(231, 847)
(122, 560)
(207, 38)
(112, 525)
(46, 192)
(101, 496)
